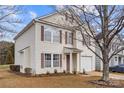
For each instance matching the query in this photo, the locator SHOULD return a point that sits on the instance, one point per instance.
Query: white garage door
(86, 63)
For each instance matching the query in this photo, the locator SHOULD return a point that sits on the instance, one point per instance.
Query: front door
(68, 63)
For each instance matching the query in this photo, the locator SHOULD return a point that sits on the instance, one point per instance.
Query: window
(52, 60)
(69, 38)
(115, 46)
(56, 60)
(52, 35)
(47, 36)
(56, 36)
(47, 60)
(115, 58)
(87, 40)
(112, 47)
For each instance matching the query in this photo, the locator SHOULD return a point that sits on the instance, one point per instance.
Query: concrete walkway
(112, 75)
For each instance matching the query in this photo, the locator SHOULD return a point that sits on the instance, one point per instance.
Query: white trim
(51, 61)
(52, 30)
(45, 60)
(46, 16)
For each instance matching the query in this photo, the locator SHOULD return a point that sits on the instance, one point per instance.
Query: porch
(72, 56)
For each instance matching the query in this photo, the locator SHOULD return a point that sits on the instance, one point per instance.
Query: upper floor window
(87, 40)
(122, 51)
(47, 36)
(69, 38)
(56, 36)
(51, 35)
(115, 46)
(115, 58)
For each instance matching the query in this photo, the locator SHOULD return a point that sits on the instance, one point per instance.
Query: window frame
(47, 60)
(57, 59)
(53, 36)
(87, 40)
(47, 36)
(50, 62)
(70, 38)
(115, 58)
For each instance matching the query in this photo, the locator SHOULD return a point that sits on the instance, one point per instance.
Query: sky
(29, 12)
(39, 10)
(34, 11)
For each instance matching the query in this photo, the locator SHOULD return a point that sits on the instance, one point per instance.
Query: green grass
(4, 66)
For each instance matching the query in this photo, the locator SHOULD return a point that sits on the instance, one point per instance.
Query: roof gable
(59, 19)
(54, 18)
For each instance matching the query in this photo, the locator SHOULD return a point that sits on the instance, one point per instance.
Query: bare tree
(9, 19)
(93, 21)
(6, 52)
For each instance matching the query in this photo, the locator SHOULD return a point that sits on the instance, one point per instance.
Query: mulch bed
(40, 75)
(111, 83)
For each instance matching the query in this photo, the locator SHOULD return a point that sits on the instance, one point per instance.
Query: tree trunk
(105, 52)
(105, 76)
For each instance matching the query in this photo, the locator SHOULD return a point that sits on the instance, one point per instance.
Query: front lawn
(10, 79)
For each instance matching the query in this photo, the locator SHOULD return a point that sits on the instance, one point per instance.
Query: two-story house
(48, 43)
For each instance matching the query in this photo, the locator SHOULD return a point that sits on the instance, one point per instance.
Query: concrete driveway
(112, 75)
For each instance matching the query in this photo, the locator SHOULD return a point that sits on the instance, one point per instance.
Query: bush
(84, 72)
(47, 72)
(64, 71)
(15, 68)
(28, 70)
(74, 72)
(55, 71)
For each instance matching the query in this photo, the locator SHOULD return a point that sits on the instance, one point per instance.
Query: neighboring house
(48, 43)
(116, 59)
(6, 52)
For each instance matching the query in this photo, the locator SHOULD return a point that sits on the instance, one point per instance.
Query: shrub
(84, 72)
(47, 72)
(15, 68)
(64, 71)
(55, 71)
(74, 72)
(11, 67)
(28, 70)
